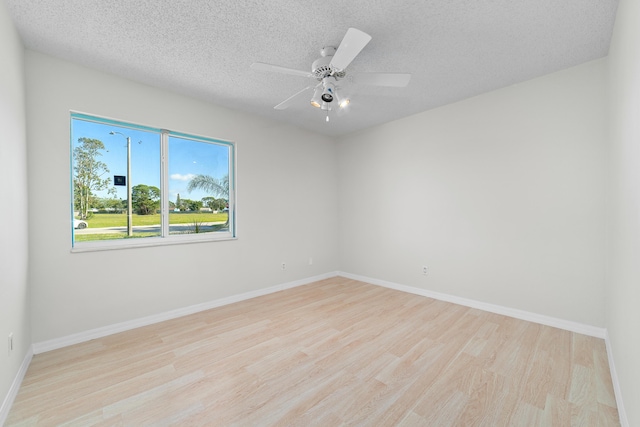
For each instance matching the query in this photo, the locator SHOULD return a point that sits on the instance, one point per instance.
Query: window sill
(146, 243)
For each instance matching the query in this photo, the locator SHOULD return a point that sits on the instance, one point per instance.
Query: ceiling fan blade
(382, 79)
(284, 104)
(352, 43)
(261, 66)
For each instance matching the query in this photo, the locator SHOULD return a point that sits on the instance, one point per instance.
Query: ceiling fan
(330, 68)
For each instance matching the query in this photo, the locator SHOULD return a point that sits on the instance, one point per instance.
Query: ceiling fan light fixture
(328, 89)
(342, 102)
(316, 100)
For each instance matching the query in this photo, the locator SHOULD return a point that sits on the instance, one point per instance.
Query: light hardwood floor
(335, 352)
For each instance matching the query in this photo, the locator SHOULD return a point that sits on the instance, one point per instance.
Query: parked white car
(80, 224)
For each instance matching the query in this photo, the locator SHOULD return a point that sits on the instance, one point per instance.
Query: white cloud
(180, 177)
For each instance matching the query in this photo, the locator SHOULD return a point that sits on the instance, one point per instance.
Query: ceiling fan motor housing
(322, 68)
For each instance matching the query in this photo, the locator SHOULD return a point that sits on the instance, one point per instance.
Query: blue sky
(187, 158)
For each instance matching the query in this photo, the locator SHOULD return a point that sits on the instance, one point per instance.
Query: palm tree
(217, 186)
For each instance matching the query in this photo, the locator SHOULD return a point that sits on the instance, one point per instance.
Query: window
(135, 185)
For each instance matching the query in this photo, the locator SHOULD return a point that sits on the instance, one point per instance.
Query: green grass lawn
(101, 220)
(120, 220)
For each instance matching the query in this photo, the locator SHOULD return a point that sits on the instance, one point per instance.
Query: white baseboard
(568, 325)
(68, 340)
(622, 413)
(15, 387)
(91, 334)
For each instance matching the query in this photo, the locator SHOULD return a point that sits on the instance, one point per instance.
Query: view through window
(133, 183)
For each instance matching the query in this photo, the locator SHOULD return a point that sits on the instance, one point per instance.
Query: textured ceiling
(454, 49)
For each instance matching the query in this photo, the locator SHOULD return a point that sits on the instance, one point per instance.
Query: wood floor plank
(335, 352)
(557, 412)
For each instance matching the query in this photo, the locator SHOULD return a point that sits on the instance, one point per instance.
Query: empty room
(331, 213)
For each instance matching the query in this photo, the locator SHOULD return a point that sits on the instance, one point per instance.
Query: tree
(214, 204)
(178, 202)
(216, 186)
(190, 205)
(209, 202)
(109, 204)
(88, 173)
(145, 199)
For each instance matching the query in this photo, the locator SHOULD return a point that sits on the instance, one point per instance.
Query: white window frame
(165, 238)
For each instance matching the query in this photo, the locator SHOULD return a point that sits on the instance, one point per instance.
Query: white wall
(287, 191)
(14, 302)
(501, 196)
(623, 285)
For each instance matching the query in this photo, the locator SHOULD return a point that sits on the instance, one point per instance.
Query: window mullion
(164, 175)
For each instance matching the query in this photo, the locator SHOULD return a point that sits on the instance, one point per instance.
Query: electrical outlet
(10, 343)
(425, 270)
(283, 266)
